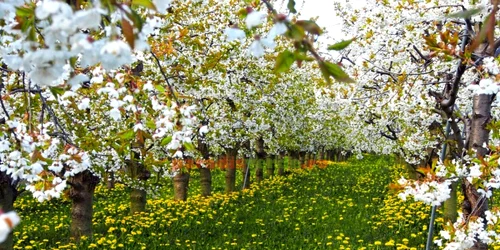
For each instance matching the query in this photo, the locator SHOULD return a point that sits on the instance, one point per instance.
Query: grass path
(345, 206)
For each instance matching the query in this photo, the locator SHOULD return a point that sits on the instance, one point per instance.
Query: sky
(324, 10)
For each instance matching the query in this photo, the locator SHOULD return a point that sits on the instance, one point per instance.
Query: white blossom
(278, 29)
(255, 18)
(115, 54)
(84, 104)
(8, 221)
(234, 34)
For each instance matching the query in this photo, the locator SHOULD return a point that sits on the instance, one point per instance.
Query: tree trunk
(281, 166)
(8, 195)
(261, 156)
(81, 193)
(137, 200)
(479, 135)
(246, 173)
(296, 160)
(474, 204)
(206, 181)
(259, 171)
(181, 184)
(137, 171)
(205, 174)
(270, 166)
(302, 159)
(231, 171)
(110, 184)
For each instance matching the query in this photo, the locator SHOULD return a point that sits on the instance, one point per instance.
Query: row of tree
(132, 90)
(135, 91)
(427, 77)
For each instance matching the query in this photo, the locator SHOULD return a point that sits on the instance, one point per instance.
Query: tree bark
(137, 171)
(281, 165)
(261, 156)
(246, 173)
(295, 159)
(231, 170)
(206, 181)
(205, 172)
(181, 184)
(137, 200)
(302, 159)
(479, 135)
(259, 171)
(8, 195)
(270, 161)
(81, 193)
(110, 184)
(474, 204)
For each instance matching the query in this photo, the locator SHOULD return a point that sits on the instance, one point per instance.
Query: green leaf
(136, 19)
(340, 45)
(330, 69)
(151, 124)
(291, 6)
(302, 56)
(296, 32)
(144, 3)
(56, 91)
(24, 12)
(310, 26)
(160, 88)
(188, 146)
(466, 13)
(165, 140)
(242, 13)
(73, 61)
(127, 134)
(284, 61)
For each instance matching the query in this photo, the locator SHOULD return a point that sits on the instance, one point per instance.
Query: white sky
(324, 10)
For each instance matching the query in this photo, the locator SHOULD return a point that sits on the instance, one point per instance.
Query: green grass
(346, 205)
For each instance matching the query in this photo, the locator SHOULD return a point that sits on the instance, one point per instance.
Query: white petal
(256, 49)
(255, 18)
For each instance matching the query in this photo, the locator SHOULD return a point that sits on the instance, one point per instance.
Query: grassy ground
(345, 206)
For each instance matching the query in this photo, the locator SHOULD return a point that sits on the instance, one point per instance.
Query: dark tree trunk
(206, 181)
(81, 193)
(7, 197)
(474, 204)
(246, 173)
(281, 165)
(137, 200)
(261, 156)
(181, 184)
(270, 161)
(295, 159)
(302, 159)
(259, 171)
(139, 172)
(110, 184)
(231, 170)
